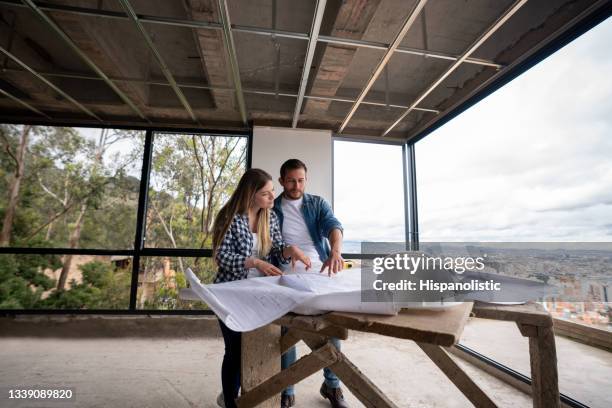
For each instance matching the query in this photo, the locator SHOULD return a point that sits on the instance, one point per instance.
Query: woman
(247, 242)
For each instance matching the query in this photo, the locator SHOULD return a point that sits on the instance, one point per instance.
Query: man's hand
(334, 263)
(267, 268)
(297, 254)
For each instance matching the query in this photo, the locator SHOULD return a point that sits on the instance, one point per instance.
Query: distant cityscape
(583, 275)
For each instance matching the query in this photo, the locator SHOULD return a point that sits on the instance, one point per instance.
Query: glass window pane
(192, 176)
(88, 282)
(161, 278)
(368, 193)
(69, 187)
(531, 163)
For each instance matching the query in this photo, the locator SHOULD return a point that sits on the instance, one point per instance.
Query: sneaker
(221, 400)
(287, 400)
(334, 395)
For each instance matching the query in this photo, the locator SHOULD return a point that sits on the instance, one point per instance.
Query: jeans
(290, 357)
(230, 369)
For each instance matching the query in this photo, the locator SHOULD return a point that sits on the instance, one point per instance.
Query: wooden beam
(544, 376)
(303, 368)
(309, 323)
(260, 360)
(427, 326)
(360, 385)
(313, 324)
(528, 313)
(527, 330)
(591, 335)
(288, 340)
(458, 377)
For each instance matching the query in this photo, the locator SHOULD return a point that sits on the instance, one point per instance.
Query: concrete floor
(184, 371)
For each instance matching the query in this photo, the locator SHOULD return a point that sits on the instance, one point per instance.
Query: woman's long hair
(251, 181)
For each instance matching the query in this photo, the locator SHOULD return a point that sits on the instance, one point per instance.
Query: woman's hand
(266, 268)
(296, 254)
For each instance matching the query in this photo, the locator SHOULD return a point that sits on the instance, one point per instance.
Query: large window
(368, 193)
(70, 202)
(192, 176)
(64, 187)
(531, 163)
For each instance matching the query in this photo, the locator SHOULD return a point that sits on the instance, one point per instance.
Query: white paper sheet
(248, 304)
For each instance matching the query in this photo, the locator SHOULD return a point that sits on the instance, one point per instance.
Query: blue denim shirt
(320, 221)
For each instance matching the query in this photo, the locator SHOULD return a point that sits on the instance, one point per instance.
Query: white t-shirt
(254, 272)
(295, 231)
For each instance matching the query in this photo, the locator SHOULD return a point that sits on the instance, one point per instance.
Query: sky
(118, 150)
(369, 199)
(531, 162)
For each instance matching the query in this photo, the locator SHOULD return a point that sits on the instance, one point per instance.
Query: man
(307, 221)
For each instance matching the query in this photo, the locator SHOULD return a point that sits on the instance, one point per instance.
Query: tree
(85, 177)
(22, 281)
(191, 177)
(18, 158)
(102, 288)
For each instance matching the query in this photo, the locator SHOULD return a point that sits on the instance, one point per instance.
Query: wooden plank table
(262, 380)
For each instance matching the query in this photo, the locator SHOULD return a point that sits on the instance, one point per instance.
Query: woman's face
(264, 197)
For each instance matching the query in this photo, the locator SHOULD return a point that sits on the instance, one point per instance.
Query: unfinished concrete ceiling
(379, 68)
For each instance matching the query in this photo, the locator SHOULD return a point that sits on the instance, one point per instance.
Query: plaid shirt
(237, 245)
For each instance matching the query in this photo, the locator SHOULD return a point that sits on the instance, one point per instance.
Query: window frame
(139, 251)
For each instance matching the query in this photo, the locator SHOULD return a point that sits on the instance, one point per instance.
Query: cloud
(531, 161)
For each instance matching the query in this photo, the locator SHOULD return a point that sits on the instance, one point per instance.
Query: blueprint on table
(248, 304)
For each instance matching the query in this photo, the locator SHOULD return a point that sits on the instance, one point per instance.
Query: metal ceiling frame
(410, 19)
(188, 85)
(227, 30)
(251, 30)
(516, 6)
(562, 36)
(233, 59)
(310, 50)
(68, 41)
(404, 50)
(48, 83)
(27, 105)
(162, 64)
(225, 25)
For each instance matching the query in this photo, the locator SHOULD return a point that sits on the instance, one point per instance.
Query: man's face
(294, 184)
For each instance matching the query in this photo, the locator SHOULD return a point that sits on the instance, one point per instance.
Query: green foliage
(102, 288)
(22, 281)
(80, 188)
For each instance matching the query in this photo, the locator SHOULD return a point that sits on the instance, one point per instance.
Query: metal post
(233, 59)
(410, 197)
(312, 45)
(141, 218)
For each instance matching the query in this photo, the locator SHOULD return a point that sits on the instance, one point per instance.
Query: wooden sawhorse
(262, 382)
